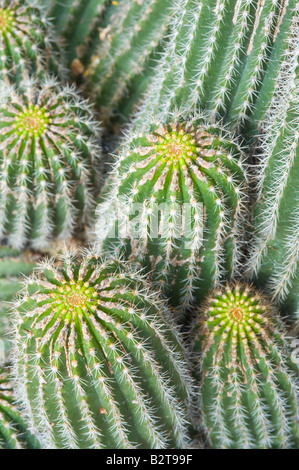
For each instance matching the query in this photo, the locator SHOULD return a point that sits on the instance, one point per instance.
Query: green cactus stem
(186, 181)
(27, 44)
(14, 433)
(12, 265)
(223, 56)
(49, 153)
(96, 363)
(274, 253)
(249, 381)
(77, 23)
(130, 37)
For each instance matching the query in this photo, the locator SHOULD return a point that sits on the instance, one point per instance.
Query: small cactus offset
(186, 179)
(95, 361)
(14, 433)
(26, 42)
(126, 54)
(49, 153)
(12, 265)
(274, 254)
(249, 383)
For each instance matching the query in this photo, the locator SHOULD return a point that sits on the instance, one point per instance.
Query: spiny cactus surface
(177, 195)
(223, 56)
(27, 44)
(274, 253)
(49, 153)
(96, 363)
(14, 433)
(249, 383)
(130, 38)
(12, 265)
(77, 22)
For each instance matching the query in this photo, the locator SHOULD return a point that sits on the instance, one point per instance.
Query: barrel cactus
(95, 361)
(27, 43)
(14, 433)
(186, 181)
(249, 381)
(49, 153)
(13, 264)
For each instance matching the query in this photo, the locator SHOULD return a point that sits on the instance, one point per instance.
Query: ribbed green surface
(77, 22)
(96, 363)
(49, 156)
(27, 44)
(249, 382)
(130, 36)
(13, 264)
(274, 253)
(174, 205)
(223, 56)
(13, 430)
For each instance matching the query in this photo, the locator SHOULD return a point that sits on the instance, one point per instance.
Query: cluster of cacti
(203, 198)
(95, 362)
(249, 384)
(178, 196)
(13, 263)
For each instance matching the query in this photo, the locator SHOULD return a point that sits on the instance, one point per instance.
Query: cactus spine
(249, 384)
(26, 42)
(12, 265)
(274, 256)
(14, 433)
(187, 181)
(48, 156)
(95, 361)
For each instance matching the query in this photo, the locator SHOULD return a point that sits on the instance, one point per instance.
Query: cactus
(77, 22)
(274, 253)
(13, 430)
(187, 181)
(249, 383)
(223, 56)
(12, 264)
(26, 42)
(131, 37)
(96, 362)
(48, 155)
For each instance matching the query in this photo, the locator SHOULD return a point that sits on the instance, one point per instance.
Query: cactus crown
(237, 312)
(33, 121)
(249, 383)
(48, 149)
(7, 20)
(98, 328)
